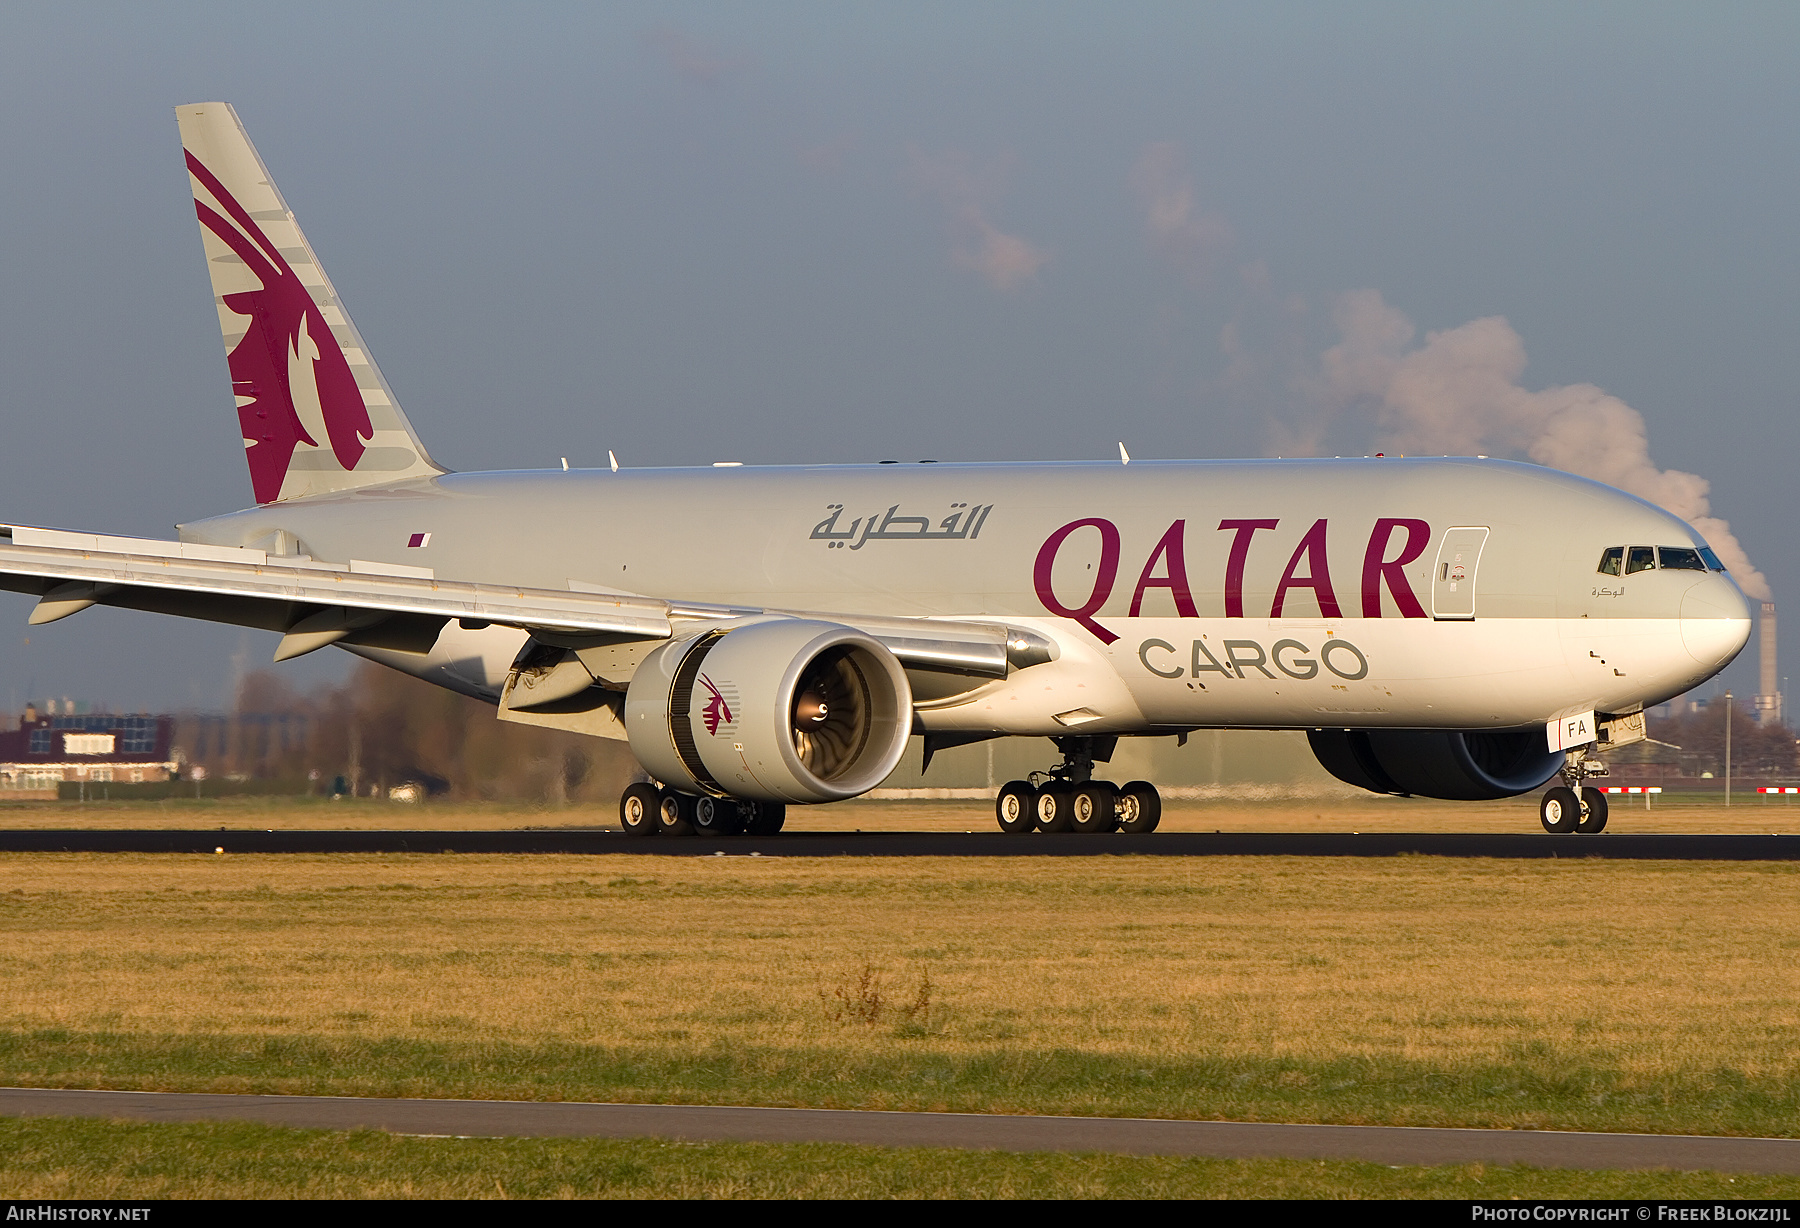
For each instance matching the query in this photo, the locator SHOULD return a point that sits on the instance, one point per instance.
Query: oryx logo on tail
(289, 366)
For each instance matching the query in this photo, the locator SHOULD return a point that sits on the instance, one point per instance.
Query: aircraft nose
(1715, 621)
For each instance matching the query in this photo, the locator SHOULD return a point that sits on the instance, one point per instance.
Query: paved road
(921, 844)
(1124, 1136)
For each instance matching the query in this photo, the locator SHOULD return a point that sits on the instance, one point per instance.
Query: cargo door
(1453, 582)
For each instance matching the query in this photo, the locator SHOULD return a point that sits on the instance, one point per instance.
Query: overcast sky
(843, 232)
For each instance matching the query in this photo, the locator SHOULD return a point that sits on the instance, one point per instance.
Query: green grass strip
(57, 1158)
(1537, 1090)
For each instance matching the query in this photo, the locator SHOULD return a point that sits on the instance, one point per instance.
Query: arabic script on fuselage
(963, 522)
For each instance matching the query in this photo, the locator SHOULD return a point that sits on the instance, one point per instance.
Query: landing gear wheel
(762, 818)
(1593, 817)
(675, 814)
(637, 809)
(716, 816)
(1054, 809)
(1559, 810)
(1091, 807)
(1016, 807)
(1140, 807)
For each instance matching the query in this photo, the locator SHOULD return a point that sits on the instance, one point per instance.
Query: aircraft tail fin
(316, 414)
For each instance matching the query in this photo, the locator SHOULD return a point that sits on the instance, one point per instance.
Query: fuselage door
(1453, 583)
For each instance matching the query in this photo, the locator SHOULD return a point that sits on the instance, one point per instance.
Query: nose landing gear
(1067, 798)
(1573, 806)
(1593, 816)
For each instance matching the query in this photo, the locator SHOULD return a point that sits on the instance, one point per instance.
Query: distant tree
(411, 730)
(1756, 750)
(382, 728)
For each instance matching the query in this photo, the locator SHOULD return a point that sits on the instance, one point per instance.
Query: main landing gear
(1067, 798)
(645, 810)
(1572, 805)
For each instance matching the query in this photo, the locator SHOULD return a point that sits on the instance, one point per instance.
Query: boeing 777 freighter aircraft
(1457, 628)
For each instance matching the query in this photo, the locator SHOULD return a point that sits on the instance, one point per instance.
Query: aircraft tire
(1559, 810)
(637, 809)
(1016, 807)
(766, 820)
(1091, 807)
(1140, 807)
(1054, 809)
(717, 816)
(1593, 816)
(675, 813)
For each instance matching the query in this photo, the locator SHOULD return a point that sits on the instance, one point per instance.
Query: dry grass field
(1670, 813)
(1568, 994)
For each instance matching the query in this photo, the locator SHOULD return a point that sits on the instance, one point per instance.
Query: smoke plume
(1189, 238)
(969, 193)
(1459, 394)
(689, 57)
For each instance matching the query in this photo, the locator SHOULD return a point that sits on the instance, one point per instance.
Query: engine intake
(1474, 766)
(787, 710)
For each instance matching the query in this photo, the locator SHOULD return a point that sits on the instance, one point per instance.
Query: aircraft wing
(387, 605)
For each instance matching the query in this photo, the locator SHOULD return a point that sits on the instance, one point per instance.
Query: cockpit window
(1680, 558)
(1613, 561)
(1712, 560)
(1640, 558)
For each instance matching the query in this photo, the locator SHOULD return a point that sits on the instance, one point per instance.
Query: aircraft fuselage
(1454, 593)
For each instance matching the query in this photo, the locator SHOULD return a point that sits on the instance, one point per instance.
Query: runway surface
(1123, 1136)
(1647, 847)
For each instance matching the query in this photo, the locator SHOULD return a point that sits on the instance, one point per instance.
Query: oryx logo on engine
(718, 710)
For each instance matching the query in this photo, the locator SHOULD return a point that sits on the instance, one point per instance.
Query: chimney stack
(1768, 703)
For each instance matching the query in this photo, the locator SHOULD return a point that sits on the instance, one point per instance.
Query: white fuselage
(1371, 593)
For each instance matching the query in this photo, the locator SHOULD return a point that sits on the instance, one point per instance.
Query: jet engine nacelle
(787, 710)
(1476, 766)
